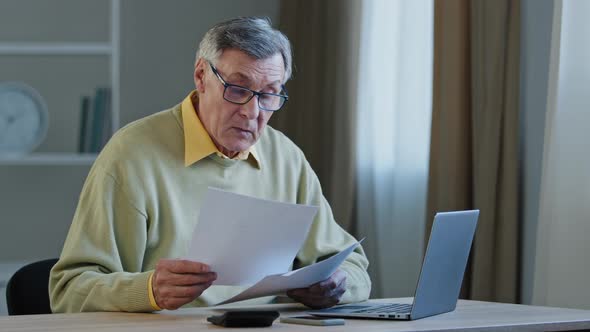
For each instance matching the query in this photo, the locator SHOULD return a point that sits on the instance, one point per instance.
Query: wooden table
(469, 316)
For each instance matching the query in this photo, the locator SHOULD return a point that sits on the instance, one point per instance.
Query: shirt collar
(197, 142)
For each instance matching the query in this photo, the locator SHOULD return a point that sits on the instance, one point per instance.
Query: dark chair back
(27, 292)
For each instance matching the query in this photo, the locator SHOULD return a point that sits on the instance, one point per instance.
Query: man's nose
(250, 110)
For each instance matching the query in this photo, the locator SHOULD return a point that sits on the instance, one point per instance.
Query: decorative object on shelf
(95, 121)
(23, 119)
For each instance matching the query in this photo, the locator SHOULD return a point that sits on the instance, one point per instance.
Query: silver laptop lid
(444, 263)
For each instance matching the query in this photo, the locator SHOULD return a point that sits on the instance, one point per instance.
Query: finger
(182, 266)
(334, 281)
(181, 291)
(298, 292)
(322, 294)
(190, 292)
(324, 288)
(327, 287)
(302, 294)
(163, 278)
(174, 303)
(316, 302)
(187, 279)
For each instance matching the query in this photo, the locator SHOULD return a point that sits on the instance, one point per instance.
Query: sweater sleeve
(327, 238)
(100, 267)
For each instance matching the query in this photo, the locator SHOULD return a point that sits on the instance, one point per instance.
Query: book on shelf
(95, 121)
(85, 117)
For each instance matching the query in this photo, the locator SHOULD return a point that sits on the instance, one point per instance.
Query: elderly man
(138, 207)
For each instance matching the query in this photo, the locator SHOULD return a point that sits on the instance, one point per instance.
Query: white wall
(563, 264)
(159, 41)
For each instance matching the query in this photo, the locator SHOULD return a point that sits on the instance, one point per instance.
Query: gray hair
(252, 35)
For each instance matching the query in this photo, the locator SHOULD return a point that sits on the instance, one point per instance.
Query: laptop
(440, 278)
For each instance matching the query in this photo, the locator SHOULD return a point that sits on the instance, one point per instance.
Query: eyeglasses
(241, 95)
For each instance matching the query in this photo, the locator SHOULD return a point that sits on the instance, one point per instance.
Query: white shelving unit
(110, 49)
(55, 48)
(50, 159)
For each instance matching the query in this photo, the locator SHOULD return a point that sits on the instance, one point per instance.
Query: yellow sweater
(141, 201)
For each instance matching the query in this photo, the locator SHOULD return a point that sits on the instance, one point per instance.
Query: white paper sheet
(300, 278)
(243, 239)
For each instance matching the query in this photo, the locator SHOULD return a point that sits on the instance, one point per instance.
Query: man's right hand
(178, 282)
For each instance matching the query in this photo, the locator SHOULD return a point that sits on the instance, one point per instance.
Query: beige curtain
(474, 142)
(319, 116)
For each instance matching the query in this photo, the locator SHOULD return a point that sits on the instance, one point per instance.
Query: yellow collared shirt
(197, 142)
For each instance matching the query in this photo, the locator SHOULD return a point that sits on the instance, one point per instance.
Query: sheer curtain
(393, 117)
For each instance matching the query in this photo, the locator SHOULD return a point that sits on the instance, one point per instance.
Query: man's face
(235, 128)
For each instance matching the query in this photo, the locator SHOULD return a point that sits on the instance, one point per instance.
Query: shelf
(56, 49)
(44, 159)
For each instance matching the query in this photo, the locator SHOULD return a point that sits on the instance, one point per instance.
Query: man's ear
(199, 75)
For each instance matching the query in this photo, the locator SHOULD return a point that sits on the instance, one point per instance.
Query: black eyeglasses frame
(253, 93)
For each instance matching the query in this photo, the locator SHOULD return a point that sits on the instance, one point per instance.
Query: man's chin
(239, 146)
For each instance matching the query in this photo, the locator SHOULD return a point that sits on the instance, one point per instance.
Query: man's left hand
(324, 294)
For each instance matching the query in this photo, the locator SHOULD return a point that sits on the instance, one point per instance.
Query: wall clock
(23, 119)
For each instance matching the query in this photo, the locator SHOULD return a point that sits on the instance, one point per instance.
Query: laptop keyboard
(387, 308)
